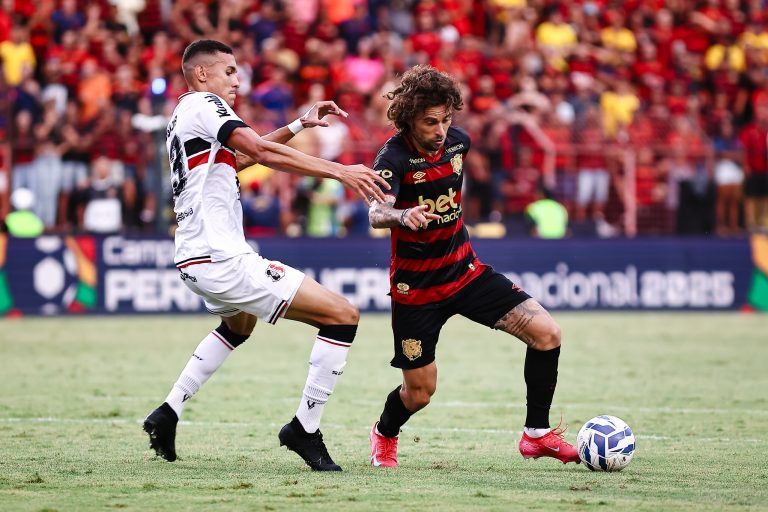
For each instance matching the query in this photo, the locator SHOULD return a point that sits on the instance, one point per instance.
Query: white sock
(209, 355)
(326, 364)
(536, 432)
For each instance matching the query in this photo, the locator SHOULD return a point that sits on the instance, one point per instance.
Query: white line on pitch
(595, 406)
(457, 404)
(406, 429)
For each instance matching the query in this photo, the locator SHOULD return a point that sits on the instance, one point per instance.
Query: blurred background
(641, 118)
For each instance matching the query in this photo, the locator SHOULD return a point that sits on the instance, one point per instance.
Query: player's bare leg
(535, 327)
(337, 321)
(208, 357)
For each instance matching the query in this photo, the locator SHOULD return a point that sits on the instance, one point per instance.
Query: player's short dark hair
(207, 46)
(422, 87)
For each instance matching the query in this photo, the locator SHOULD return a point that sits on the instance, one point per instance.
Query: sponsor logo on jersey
(275, 272)
(412, 349)
(417, 160)
(418, 177)
(457, 162)
(184, 276)
(220, 108)
(455, 147)
(183, 215)
(445, 204)
(403, 288)
(170, 128)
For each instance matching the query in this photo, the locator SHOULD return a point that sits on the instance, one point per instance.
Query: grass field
(694, 388)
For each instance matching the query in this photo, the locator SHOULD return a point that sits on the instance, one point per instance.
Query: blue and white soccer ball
(605, 443)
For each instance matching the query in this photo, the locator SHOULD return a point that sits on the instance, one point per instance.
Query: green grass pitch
(694, 388)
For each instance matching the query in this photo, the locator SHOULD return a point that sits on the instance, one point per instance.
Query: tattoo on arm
(384, 215)
(516, 321)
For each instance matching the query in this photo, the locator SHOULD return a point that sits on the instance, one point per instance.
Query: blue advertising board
(86, 274)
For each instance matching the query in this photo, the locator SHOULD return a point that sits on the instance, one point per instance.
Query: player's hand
(365, 181)
(315, 115)
(417, 218)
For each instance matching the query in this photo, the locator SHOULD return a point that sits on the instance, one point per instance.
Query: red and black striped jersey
(431, 264)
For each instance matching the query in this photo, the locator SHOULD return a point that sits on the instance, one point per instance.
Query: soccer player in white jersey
(207, 142)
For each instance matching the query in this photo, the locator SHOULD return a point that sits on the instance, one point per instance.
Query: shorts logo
(275, 272)
(403, 288)
(412, 349)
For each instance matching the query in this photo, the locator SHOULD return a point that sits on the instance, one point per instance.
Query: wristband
(296, 126)
(402, 217)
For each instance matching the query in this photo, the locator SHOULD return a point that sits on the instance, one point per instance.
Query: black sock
(540, 380)
(394, 416)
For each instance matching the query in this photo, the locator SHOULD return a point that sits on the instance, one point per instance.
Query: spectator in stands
(618, 107)
(556, 38)
(753, 137)
(729, 178)
(650, 191)
(17, 55)
(618, 39)
(75, 164)
(22, 222)
(49, 147)
(519, 188)
(594, 181)
(103, 211)
(23, 145)
(549, 218)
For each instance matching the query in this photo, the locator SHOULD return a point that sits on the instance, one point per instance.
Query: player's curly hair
(420, 88)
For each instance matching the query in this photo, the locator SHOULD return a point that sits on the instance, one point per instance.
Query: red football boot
(383, 449)
(549, 445)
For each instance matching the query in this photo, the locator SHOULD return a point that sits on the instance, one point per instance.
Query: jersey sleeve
(390, 169)
(215, 118)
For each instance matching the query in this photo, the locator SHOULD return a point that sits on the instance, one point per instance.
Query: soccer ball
(605, 443)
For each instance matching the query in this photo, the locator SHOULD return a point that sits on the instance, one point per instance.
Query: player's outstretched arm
(385, 215)
(313, 117)
(359, 178)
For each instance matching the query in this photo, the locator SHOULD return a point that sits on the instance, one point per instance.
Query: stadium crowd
(641, 117)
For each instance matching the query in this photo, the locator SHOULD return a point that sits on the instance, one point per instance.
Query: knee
(549, 338)
(236, 329)
(345, 313)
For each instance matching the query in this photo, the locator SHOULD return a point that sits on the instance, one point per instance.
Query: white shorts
(247, 283)
(592, 186)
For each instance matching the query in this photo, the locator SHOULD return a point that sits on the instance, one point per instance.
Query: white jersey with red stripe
(206, 191)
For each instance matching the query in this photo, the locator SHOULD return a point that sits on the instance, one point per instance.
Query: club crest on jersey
(275, 272)
(412, 349)
(457, 163)
(403, 288)
(418, 177)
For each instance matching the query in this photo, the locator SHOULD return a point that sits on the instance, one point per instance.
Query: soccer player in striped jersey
(207, 143)
(435, 273)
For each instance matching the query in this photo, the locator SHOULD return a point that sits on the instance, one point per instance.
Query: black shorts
(756, 185)
(485, 300)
